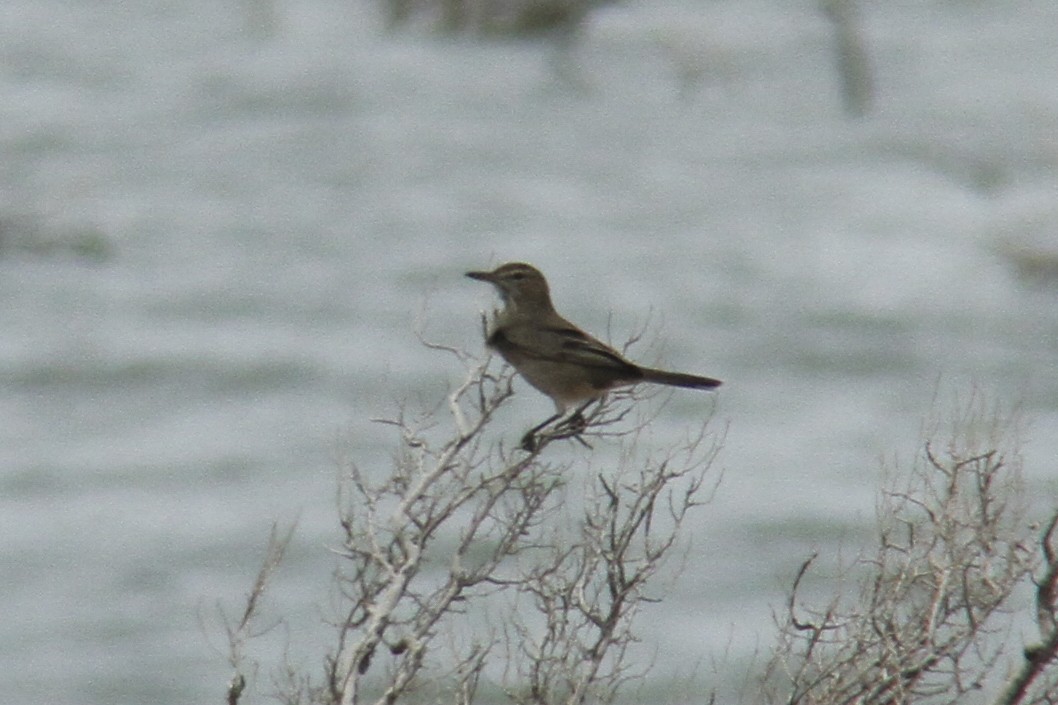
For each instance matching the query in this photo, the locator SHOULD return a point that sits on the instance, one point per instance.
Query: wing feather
(565, 344)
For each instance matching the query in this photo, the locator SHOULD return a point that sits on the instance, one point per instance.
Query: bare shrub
(470, 564)
(932, 618)
(469, 571)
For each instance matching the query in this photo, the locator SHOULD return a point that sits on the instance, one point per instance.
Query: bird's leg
(529, 439)
(570, 427)
(575, 423)
(573, 426)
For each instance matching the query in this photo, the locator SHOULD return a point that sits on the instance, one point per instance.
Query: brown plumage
(555, 356)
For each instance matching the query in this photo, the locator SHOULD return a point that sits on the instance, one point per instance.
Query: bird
(556, 357)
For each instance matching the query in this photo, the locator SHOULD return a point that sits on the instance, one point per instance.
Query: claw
(575, 424)
(529, 443)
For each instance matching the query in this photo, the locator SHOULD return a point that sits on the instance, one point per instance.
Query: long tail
(678, 379)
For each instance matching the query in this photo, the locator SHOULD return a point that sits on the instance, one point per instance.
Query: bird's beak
(482, 276)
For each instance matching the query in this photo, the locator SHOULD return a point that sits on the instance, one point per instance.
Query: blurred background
(222, 224)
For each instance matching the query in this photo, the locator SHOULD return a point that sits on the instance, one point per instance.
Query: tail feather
(678, 379)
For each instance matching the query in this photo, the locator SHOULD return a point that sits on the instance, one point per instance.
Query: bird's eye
(518, 276)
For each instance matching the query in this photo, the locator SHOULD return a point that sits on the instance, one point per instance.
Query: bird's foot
(529, 442)
(574, 425)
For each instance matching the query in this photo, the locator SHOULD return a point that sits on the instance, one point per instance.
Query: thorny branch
(588, 593)
(246, 627)
(1040, 657)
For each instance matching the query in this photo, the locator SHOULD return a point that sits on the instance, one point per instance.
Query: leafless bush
(469, 563)
(931, 622)
(472, 571)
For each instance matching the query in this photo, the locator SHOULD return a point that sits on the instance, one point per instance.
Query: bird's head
(522, 287)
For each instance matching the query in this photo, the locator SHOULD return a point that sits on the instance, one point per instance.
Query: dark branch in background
(850, 49)
(516, 18)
